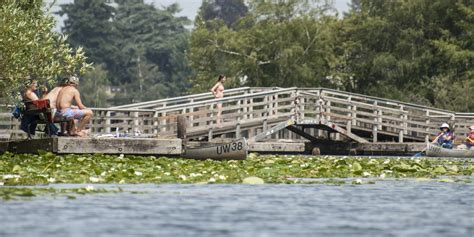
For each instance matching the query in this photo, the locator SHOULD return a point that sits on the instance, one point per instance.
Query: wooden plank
(390, 147)
(32, 146)
(302, 133)
(276, 147)
(273, 130)
(136, 146)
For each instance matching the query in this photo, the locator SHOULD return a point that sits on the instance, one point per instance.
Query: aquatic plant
(46, 168)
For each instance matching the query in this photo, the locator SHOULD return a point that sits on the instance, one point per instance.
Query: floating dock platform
(68, 145)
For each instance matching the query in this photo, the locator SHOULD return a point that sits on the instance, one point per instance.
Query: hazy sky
(189, 7)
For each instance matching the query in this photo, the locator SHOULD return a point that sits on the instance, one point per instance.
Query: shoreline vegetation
(27, 175)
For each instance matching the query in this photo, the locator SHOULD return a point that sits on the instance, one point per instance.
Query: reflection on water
(388, 208)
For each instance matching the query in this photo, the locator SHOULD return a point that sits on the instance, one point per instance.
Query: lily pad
(253, 180)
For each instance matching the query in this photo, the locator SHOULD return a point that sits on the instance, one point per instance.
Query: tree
(406, 49)
(30, 47)
(228, 11)
(89, 25)
(287, 43)
(153, 45)
(96, 86)
(141, 47)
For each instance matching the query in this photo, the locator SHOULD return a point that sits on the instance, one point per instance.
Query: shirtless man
(68, 111)
(218, 91)
(52, 96)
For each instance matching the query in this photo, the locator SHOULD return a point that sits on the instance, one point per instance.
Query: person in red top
(469, 142)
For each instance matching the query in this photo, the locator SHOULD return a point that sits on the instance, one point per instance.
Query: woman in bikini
(218, 91)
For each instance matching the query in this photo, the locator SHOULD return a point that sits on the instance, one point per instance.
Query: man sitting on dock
(67, 111)
(445, 138)
(52, 96)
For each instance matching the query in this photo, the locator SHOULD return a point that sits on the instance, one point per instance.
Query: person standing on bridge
(218, 91)
(446, 137)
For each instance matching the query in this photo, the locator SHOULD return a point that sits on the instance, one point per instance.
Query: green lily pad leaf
(16, 168)
(439, 170)
(356, 166)
(253, 180)
(446, 181)
(452, 168)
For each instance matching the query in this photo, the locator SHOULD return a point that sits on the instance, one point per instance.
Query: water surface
(387, 208)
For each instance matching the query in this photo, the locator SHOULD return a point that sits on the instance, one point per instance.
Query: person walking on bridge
(218, 92)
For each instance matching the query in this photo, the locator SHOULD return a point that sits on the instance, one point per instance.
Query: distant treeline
(416, 51)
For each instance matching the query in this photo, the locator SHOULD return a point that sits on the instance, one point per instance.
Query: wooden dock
(272, 119)
(65, 145)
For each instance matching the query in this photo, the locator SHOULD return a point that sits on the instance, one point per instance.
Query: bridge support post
(427, 137)
(239, 117)
(136, 123)
(181, 128)
(107, 122)
(155, 123)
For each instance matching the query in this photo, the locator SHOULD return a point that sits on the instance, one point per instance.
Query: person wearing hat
(469, 141)
(446, 137)
(67, 111)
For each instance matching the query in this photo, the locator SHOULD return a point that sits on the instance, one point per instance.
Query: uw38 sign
(231, 147)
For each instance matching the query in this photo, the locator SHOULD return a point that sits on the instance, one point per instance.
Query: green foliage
(227, 11)
(95, 88)
(141, 47)
(24, 169)
(415, 51)
(30, 47)
(418, 51)
(89, 25)
(285, 44)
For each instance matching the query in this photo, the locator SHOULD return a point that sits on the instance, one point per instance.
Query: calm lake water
(387, 208)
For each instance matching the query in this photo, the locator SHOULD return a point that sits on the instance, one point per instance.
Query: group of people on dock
(61, 100)
(446, 138)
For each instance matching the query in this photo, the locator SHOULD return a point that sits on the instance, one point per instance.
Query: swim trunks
(70, 113)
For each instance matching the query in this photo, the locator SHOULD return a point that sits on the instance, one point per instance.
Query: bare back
(67, 96)
(52, 96)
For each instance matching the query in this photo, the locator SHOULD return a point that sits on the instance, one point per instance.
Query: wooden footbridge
(278, 119)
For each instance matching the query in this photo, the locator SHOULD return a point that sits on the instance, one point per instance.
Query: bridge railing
(161, 103)
(238, 113)
(378, 116)
(247, 111)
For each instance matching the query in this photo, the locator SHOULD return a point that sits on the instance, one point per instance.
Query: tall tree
(284, 43)
(141, 47)
(407, 49)
(229, 11)
(89, 24)
(153, 43)
(30, 47)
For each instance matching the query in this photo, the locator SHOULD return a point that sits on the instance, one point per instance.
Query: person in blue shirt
(445, 138)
